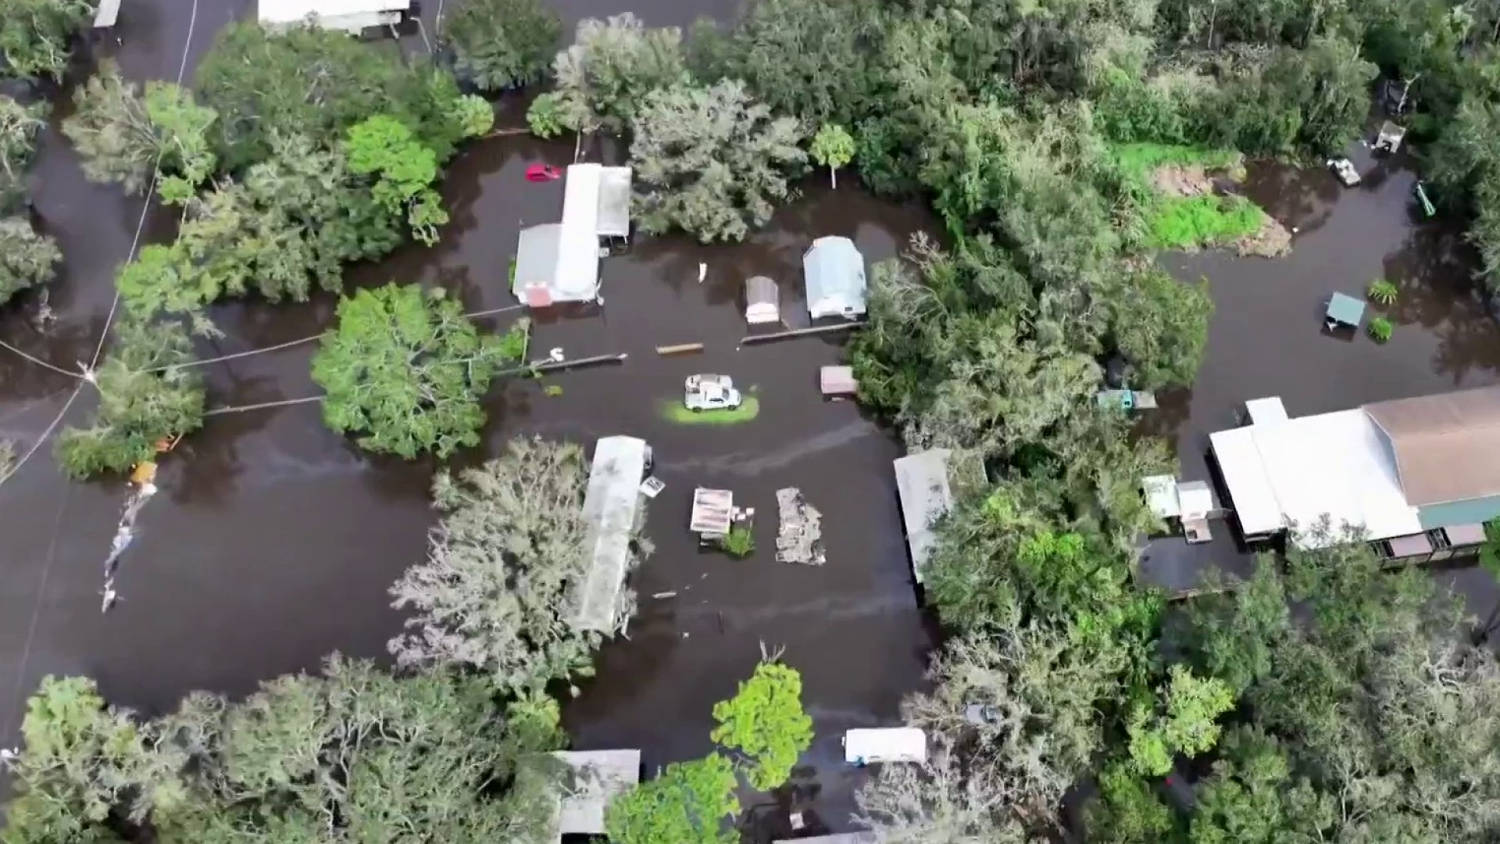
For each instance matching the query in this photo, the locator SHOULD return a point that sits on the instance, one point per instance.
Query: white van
(889, 744)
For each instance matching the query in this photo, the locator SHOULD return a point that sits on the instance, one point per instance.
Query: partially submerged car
(710, 392)
(1343, 168)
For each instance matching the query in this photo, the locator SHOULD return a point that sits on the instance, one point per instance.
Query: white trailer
(887, 744)
(351, 16)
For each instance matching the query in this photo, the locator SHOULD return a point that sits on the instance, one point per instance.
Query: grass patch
(1184, 222)
(1136, 161)
(739, 542)
(673, 411)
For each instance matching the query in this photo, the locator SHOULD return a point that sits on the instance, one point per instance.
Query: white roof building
(107, 14)
(834, 272)
(594, 778)
(1297, 471)
(559, 262)
(885, 744)
(922, 485)
(610, 505)
(352, 16)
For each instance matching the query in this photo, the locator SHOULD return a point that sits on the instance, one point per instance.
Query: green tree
(686, 804)
(19, 125)
(1161, 326)
(35, 36)
(82, 761)
(317, 83)
(404, 169)
(1238, 629)
(404, 372)
(711, 161)
(1185, 721)
(503, 44)
(142, 400)
(612, 65)
(125, 138)
(832, 147)
(544, 117)
(1252, 797)
(506, 570)
(1128, 810)
(27, 259)
(765, 722)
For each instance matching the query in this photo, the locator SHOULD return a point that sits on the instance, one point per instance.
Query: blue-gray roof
(835, 276)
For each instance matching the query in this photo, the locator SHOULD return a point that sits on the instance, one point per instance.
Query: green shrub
(1382, 292)
(1380, 329)
(739, 542)
(1186, 222)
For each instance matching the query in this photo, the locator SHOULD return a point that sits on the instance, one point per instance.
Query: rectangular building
(610, 505)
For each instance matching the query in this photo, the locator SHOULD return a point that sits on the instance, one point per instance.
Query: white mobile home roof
(107, 13)
(888, 744)
(922, 484)
(614, 202)
(595, 777)
(578, 243)
(610, 505)
(336, 14)
(1299, 470)
(834, 272)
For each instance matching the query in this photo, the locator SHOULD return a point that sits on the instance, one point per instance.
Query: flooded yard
(1267, 336)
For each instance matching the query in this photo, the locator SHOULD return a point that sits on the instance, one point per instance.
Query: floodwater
(273, 541)
(1267, 337)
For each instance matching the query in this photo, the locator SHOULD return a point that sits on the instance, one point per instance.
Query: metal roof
(614, 201)
(107, 13)
(1447, 446)
(595, 777)
(610, 506)
(1300, 470)
(834, 272)
(296, 11)
(922, 484)
(713, 511)
(536, 261)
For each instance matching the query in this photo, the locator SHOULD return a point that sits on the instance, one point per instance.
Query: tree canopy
(603, 78)
(36, 36)
(501, 44)
(404, 371)
(765, 722)
(501, 588)
(27, 259)
(711, 161)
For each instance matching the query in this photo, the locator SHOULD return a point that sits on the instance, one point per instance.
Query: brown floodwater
(273, 541)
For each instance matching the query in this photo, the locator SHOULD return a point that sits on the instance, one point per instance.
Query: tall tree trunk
(833, 176)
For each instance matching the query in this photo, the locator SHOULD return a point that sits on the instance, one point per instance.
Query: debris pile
(799, 538)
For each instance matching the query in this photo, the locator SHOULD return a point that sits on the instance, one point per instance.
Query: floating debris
(661, 595)
(652, 487)
(799, 538)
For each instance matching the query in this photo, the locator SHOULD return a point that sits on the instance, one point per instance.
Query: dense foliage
(27, 259)
(604, 77)
(711, 161)
(503, 584)
(143, 400)
(36, 35)
(355, 754)
(502, 44)
(19, 125)
(765, 723)
(404, 371)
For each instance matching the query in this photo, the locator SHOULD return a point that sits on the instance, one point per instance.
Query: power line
(279, 346)
(39, 362)
(47, 432)
(261, 406)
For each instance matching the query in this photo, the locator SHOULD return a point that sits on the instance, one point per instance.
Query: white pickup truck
(710, 392)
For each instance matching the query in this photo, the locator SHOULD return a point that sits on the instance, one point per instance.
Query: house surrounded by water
(559, 262)
(834, 272)
(1418, 476)
(611, 505)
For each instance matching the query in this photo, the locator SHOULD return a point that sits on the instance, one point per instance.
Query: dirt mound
(1181, 180)
(1271, 240)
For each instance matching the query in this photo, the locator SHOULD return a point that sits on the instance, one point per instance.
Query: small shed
(887, 744)
(837, 380)
(610, 506)
(351, 16)
(1161, 496)
(762, 300)
(1343, 310)
(1197, 503)
(922, 486)
(614, 202)
(107, 14)
(834, 272)
(593, 779)
(713, 513)
(1390, 137)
